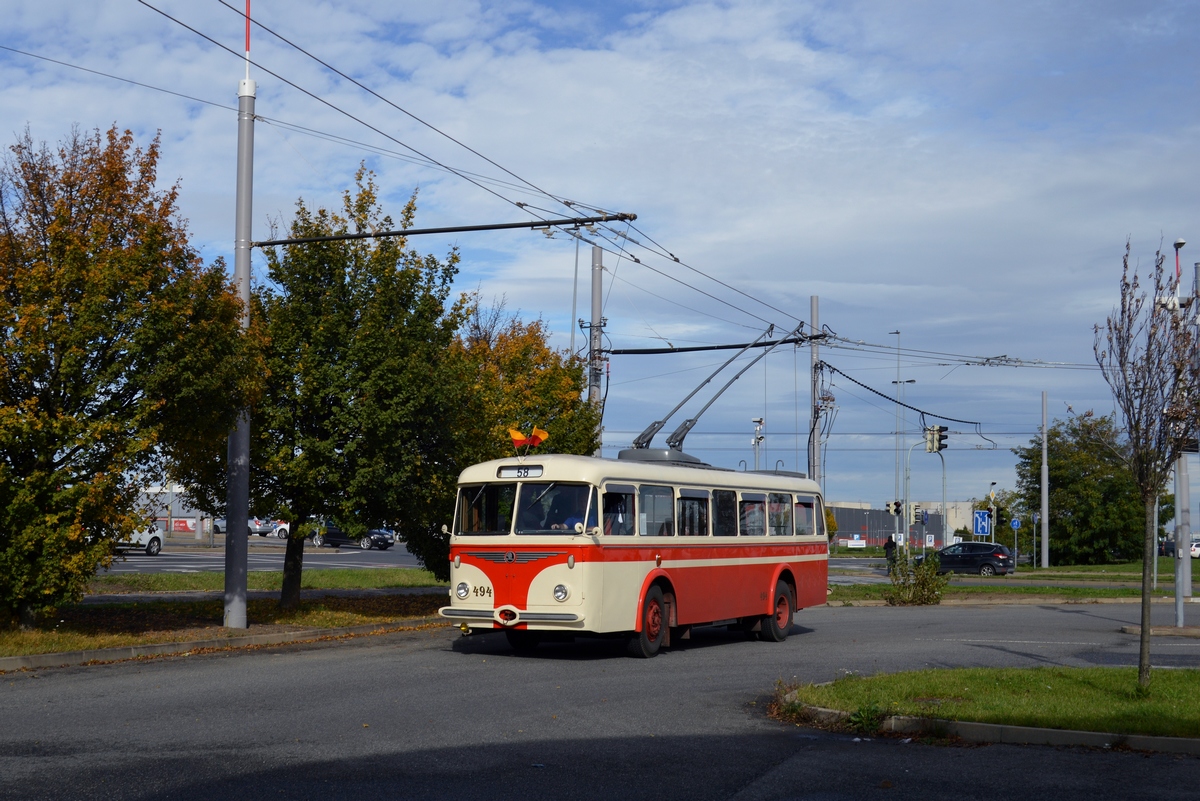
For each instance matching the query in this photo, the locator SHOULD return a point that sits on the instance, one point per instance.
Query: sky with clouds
(966, 174)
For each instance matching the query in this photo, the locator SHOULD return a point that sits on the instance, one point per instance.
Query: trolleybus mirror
(579, 528)
(445, 529)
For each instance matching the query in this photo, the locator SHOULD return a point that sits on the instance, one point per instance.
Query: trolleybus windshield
(485, 509)
(555, 507)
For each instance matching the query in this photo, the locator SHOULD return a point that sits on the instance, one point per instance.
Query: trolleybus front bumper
(507, 616)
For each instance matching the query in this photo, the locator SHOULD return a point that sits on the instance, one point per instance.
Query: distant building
(858, 522)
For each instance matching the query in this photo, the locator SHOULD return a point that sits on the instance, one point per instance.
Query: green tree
(1096, 512)
(362, 395)
(120, 357)
(510, 377)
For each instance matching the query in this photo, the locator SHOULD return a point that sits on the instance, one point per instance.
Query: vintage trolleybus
(646, 546)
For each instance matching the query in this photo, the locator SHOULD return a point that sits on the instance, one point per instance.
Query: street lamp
(1179, 243)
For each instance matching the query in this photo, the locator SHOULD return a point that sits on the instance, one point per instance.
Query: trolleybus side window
(808, 515)
(485, 509)
(779, 514)
(724, 513)
(546, 508)
(693, 513)
(619, 509)
(654, 517)
(753, 514)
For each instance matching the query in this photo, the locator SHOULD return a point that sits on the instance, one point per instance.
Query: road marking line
(1011, 642)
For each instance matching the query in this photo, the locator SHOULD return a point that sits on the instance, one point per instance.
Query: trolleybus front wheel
(775, 627)
(646, 642)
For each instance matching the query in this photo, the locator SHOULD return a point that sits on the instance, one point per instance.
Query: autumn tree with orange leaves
(120, 358)
(519, 381)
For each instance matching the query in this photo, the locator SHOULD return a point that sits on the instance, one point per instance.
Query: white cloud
(964, 173)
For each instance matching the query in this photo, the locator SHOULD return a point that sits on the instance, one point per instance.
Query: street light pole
(237, 482)
(896, 496)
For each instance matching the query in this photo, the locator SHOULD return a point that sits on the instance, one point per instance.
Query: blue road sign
(981, 528)
(925, 517)
(1016, 524)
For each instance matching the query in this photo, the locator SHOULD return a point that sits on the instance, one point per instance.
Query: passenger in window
(617, 513)
(576, 504)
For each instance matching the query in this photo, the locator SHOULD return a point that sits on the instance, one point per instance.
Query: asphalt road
(260, 557)
(433, 715)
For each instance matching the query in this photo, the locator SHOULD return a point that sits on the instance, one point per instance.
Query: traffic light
(938, 436)
(929, 439)
(896, 507)
(916, 515)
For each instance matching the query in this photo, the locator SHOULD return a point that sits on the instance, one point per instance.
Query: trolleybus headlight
(463, 589)
(561, 592)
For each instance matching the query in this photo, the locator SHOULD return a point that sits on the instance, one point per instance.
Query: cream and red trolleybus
(647, 545)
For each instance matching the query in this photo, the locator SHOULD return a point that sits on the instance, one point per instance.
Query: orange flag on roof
(519, 440)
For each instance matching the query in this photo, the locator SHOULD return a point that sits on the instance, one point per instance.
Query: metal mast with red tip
(237, 487)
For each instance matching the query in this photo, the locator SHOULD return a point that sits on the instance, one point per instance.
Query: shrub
(915, 584)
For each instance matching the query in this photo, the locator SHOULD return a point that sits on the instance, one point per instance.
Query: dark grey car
(330, 533)
(984, 558)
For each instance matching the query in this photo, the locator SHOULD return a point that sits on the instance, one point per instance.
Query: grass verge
(349, 579)
(850, 593)
(83, 628)
(1086, 699)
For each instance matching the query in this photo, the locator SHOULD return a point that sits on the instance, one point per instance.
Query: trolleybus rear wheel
(646, 642)
(775, 627)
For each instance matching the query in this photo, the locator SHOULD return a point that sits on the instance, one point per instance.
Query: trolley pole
(595, 355)
(237, 487)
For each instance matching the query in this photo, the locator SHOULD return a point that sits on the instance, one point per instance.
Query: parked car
(148, 540)
(1166, 547)
(255, 525)
(282, 529)
(1196, 549)
(984, 558)
(330, 533)
(260, 526)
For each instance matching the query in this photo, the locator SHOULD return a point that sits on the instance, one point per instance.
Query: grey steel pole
(898, 385)
(574, 295)
(1045, 488)
(1187, 561)
(814, 439)
(595, 360)
(237, 499)
(1183, 521)
(1154, 581)
(945, 541)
